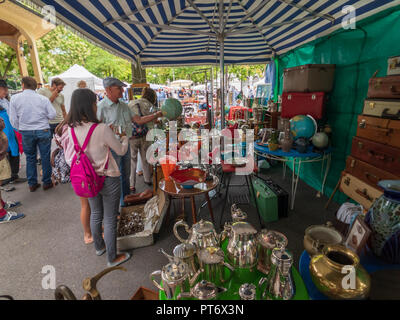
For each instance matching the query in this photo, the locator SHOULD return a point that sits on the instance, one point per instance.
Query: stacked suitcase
(305, 89)
(375, 152)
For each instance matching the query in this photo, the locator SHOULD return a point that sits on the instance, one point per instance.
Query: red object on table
(239, 111)
(227, 168)
(297, 103)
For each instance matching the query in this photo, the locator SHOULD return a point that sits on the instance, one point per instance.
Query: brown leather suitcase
(368, 173)
(358, 190)
(309, 78)
(379, 155)
(380, 130)
(387, 109)
(384, 87)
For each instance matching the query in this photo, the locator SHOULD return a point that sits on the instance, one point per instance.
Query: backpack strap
(78, 148)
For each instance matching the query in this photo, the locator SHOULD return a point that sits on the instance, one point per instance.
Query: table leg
(295, 181)
(284, 169)
(226, 198)
(169, 208)
(193, 210)
(328, 166)
(210, 206)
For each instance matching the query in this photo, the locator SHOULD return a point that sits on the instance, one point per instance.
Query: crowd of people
(110, 132)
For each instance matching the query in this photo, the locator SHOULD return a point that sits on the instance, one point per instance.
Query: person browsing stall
(30, 113)
(57, 100)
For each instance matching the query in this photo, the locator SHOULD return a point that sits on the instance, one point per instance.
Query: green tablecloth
(242, 276)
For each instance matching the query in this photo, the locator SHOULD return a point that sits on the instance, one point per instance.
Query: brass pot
(337, 273)
(318, 236)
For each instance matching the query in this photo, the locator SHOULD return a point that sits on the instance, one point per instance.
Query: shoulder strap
(77, 147)
(94, 125)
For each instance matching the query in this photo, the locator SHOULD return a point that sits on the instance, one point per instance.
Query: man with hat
(57, 100)
(13, 149)
(113, 111)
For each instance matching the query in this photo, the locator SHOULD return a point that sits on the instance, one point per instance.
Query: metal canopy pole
(221, 37)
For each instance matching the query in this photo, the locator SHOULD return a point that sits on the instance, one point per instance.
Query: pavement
(50, 238)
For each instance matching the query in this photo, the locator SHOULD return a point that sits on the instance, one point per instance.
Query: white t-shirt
(57, 103)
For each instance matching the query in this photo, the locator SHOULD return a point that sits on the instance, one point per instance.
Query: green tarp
(357, 53)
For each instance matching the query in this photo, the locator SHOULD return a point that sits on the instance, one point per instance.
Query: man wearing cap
(13, 149)
(30, 113)
(113, 111)
(57, 100)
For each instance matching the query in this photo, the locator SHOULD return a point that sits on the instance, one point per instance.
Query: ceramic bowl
(187, 178)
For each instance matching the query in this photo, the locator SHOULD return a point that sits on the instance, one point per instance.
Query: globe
(320, 140)
(303, 126)
(171, 108)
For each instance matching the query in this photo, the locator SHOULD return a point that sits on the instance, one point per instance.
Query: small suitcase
(379, 155)
(309, 78)
(294, 104)
(267, 201)
(387, 109)
(368, 173)
(380, 130)
(358, 190)
(384, 87)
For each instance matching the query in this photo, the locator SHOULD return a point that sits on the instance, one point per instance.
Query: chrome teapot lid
(203, 226)
(205, 290)
(175, 271)
(247, 291)
(272, 239)
(243, 228)
(211, 255)
(184, 250)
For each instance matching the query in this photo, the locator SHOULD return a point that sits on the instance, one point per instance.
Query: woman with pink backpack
(94, 172)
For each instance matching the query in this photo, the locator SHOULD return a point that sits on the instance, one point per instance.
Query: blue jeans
(124, 165)
(31, 140)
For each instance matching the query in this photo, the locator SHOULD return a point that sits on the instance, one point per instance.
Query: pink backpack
(84, 179)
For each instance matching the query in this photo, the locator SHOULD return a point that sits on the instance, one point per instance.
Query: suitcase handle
(387, 115)
(370, 175)
(364, 194)
(380, 156)
(393, 90)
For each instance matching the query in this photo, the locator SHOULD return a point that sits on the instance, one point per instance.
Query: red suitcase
(295, 103)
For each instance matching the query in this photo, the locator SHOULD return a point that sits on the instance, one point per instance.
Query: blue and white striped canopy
(187, 32)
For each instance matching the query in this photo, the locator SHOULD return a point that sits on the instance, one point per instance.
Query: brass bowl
(318, 236)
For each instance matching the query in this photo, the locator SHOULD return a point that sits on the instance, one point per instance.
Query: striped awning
(188, 32)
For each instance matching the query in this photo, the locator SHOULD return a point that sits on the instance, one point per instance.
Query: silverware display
(247, 291)
(267, 241)
(202, 234)
(212, 262)
(186, 253)
(204, 290)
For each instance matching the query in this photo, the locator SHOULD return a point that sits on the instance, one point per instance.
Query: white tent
(72, 76)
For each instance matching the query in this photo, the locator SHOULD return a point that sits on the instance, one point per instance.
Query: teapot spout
(193, 280)
(170, 258)
(221, 290)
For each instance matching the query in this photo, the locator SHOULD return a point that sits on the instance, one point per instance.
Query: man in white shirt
(57, 99)
(30, 113)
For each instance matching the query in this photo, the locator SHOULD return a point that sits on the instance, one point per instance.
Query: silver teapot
(212, 262)
(202, 234)
(242, 245)
(185, 252)
(280, 284)
(175, 278)
(204, 290)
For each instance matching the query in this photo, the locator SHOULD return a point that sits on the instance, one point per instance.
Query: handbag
(139, 130)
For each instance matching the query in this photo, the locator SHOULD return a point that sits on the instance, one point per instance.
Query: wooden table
(174, 190)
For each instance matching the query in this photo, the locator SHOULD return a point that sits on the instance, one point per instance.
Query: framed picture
(358, 235)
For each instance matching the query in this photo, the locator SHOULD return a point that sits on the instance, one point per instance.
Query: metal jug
(204, 290)
(267, 241)
(186, 253)
(175, 278)
(279, 282)
(212, 262)
(247, 291)
(242, 246)
(202, 234)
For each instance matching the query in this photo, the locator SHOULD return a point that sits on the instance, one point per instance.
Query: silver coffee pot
(186, 253)
(202, 234)
(212, 262)
(175, 278)
(280, 284)
(267, 241)
(242, 245)
(203, 290)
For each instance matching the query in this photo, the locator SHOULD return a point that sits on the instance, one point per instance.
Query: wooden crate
(145, 294)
